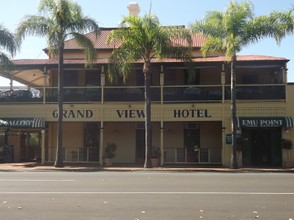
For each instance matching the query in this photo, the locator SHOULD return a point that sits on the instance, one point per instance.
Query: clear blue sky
(108, 13)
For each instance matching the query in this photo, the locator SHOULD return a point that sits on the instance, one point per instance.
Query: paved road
(146, 195)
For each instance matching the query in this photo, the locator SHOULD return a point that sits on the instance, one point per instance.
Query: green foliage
(286, 144)
(236, 28)
(7, 43)
(59, 20)
(142, 39)
(110, 150)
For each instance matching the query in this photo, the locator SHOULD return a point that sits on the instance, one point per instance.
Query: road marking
(37, 180)
(155, 193)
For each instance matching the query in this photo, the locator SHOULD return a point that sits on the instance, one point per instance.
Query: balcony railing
(74, 94)
(119, 93)
(171, 155)
(74, 154)
(165, 94)
(197, 156)
(192, 93)
(257, 92)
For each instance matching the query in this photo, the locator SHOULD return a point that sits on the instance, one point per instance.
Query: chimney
(134, 9)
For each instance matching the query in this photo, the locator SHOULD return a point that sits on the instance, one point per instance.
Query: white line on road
(31, 180)
(163, 193)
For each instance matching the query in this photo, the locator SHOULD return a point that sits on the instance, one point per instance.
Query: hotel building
(191, 119)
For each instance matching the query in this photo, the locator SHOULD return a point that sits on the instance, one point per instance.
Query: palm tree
(64, 20)
(143, 39)
(7, 44)
(233, 30)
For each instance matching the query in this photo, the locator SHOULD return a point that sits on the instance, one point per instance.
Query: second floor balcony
(259, 78)
(159, 94)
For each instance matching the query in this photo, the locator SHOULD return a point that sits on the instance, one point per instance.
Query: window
(70, 78)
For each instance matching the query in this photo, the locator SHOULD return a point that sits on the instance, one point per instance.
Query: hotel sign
(179, 113)
(132, 114)
(265, 122)
(191, 113)
(74, 114)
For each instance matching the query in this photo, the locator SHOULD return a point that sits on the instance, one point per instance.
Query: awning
(265, 122)
(23, 123)
(2, 122)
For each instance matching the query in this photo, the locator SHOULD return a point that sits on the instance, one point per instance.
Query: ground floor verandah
(181, 143)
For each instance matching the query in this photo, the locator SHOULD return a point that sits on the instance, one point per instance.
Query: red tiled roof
(167, 60)
(100, 41)
(241, 58)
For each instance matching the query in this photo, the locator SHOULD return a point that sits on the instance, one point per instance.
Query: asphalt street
(142, 195)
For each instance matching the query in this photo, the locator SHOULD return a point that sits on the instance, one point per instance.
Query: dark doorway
(264, 149)
(30, 146)
(192, 143)
(140, 145)
(91, 142)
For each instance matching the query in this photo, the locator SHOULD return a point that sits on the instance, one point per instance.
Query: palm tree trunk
(234, 164)
(59, 148)
(148, 141)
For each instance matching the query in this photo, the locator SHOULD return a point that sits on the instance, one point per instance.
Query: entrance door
(30, 146)
(192, 143)
(140, 145)
(265, 149)
(91, 143)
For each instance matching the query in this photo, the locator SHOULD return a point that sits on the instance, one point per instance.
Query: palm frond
(5, 62)
(237, 27)
(144, 39)
(89, 49)
(84, 25)
(119, 65)
(35, 26)
(212, 45)
(7, 41)
(212, 25)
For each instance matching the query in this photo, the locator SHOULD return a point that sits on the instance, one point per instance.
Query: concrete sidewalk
(33, 166)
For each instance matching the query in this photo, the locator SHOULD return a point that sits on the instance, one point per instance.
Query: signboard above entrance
(265, 122)
(24, 122)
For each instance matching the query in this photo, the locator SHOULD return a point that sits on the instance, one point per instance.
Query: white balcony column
(11, 83)
(161, 144)
(101, 145)
(161, 83)
(285, 79)
(44, 84)
(102, 79)
(43, 136)
(223, 82)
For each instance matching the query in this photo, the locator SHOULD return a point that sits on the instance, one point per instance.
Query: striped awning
(23, 123)
(265, 122)
(3, 123)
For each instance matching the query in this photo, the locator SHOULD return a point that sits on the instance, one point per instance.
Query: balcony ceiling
(31, 77)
